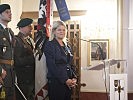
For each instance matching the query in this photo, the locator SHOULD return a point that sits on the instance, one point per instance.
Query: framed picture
(98, 49)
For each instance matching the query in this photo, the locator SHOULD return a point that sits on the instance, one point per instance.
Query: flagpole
(20, 91)
(42, 35)
(16, 84)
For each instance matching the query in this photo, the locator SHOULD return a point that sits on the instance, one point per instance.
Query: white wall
(32, 5)
(16, 9)
(93, 79)
(130, 48)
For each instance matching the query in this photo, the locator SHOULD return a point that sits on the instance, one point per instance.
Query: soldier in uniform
(7, 52)
(24, 60)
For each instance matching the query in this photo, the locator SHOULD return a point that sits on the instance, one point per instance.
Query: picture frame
(98, 50)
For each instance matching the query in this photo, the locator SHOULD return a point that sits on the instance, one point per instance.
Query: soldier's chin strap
(16, 84)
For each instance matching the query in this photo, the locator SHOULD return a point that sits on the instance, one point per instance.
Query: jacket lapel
(4, 32)
(1, 27)
(59, 47)
(20, 35)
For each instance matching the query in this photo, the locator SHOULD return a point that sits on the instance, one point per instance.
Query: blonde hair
(56, 24)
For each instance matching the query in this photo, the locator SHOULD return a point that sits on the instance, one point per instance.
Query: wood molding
(98, 96)
(34, 14)
(72, 13)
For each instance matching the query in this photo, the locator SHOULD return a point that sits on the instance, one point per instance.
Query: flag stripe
(41, 91)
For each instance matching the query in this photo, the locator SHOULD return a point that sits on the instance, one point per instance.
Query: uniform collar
(3, 25)
(22, 35)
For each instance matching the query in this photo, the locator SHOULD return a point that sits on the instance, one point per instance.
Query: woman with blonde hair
(61, 78)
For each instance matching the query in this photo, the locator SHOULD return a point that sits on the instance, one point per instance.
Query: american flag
(41, 37)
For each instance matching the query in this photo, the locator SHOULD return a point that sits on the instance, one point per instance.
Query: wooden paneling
(98, 96)
(73, 30)
(72, 13)
(93, 96)
(130, 96)
(34, 15)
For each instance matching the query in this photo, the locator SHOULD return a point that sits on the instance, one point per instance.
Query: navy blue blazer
(57, 60)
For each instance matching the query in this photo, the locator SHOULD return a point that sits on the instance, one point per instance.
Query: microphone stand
(101, 52)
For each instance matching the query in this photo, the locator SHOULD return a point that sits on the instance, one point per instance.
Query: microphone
(80, 38)
(118, 65)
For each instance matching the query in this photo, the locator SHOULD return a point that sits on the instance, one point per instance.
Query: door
(73, 36)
